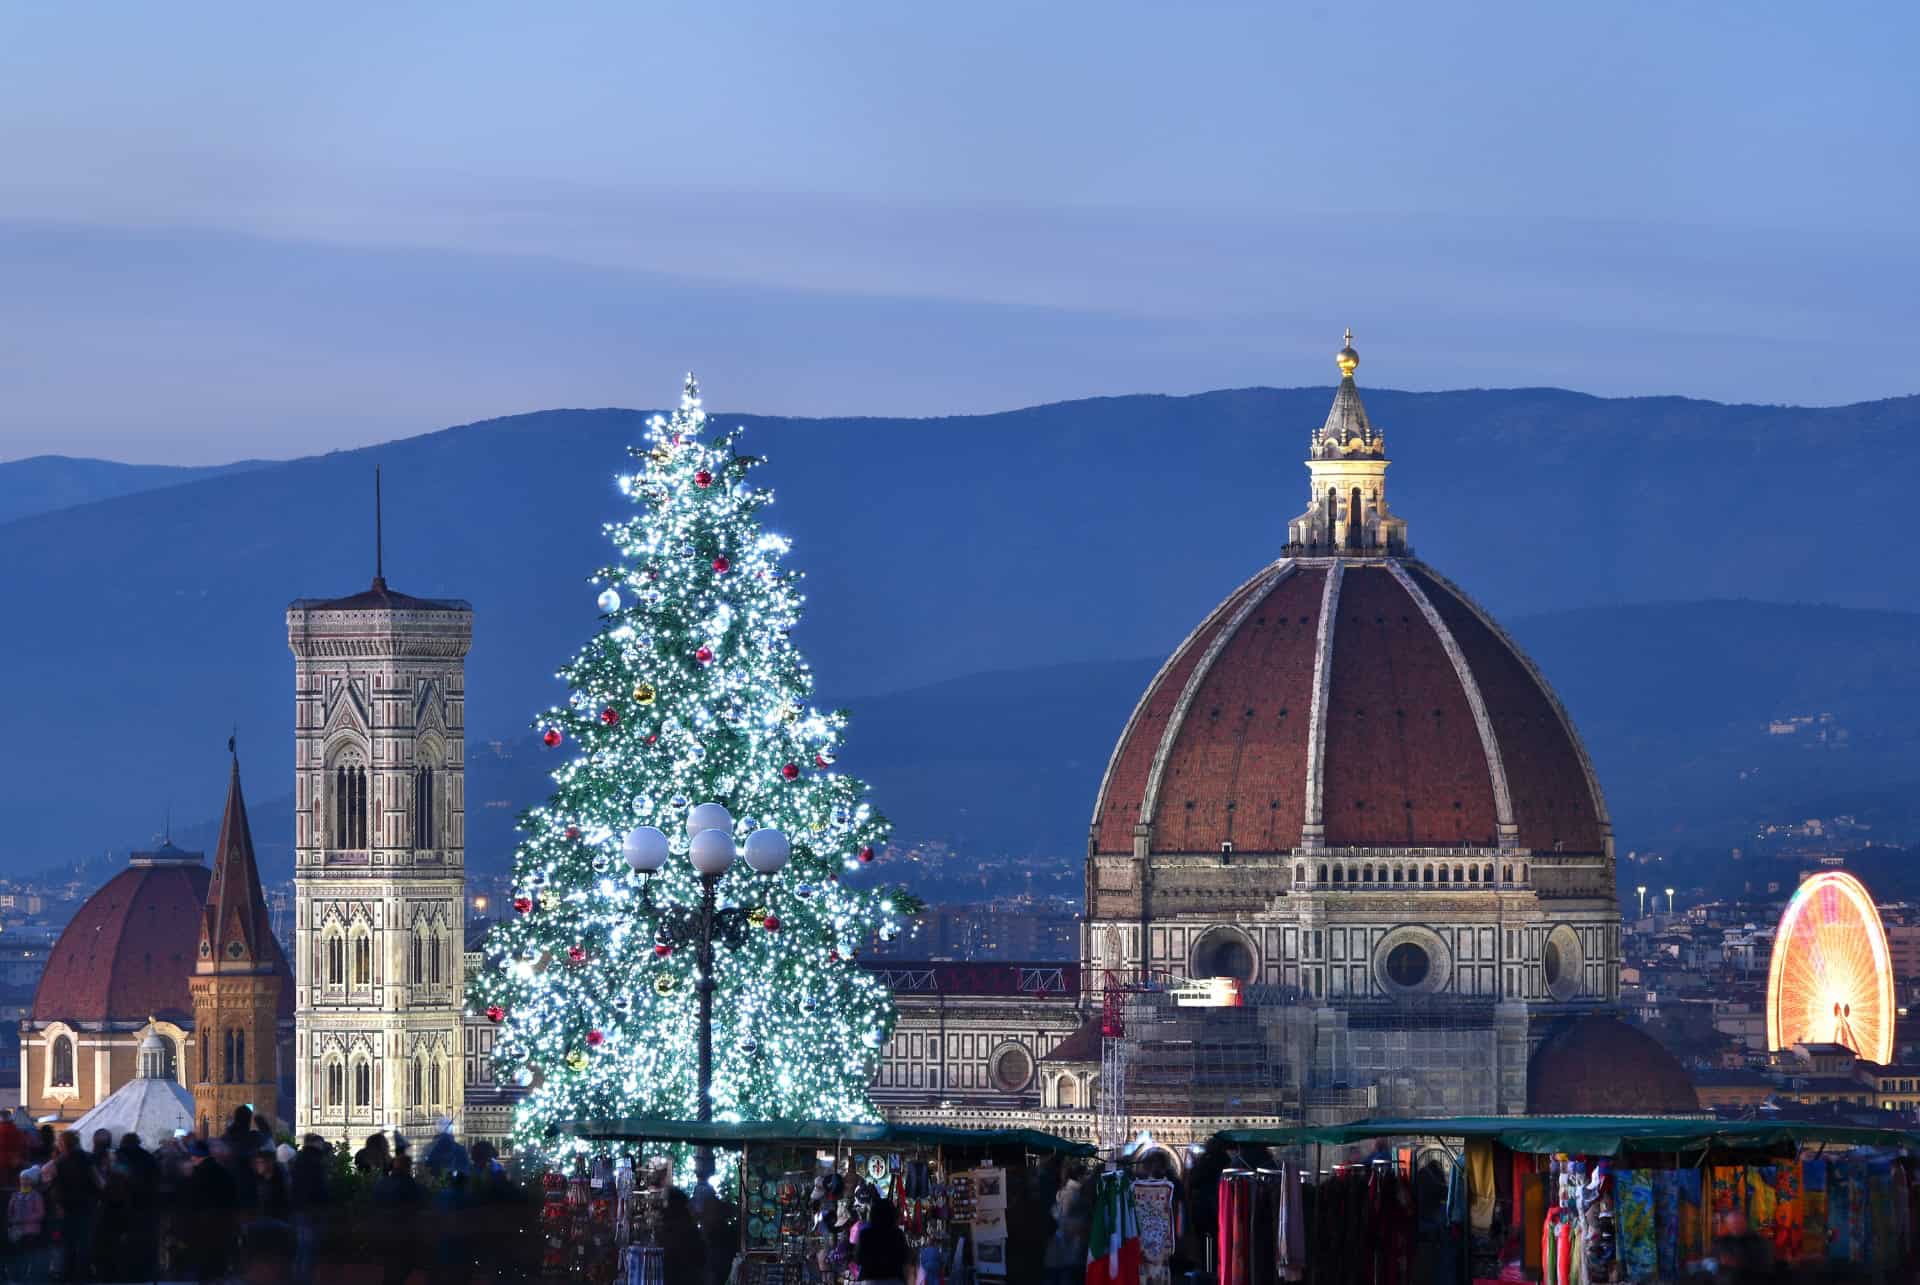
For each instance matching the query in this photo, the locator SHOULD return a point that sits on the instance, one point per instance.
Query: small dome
(1600, 1065)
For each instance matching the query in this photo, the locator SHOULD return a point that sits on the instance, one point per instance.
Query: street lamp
(1642, 890)
(711, 852)
(1669, 903)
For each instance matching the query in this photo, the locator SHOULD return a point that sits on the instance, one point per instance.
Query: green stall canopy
(719, 1133)
(1590, 1135)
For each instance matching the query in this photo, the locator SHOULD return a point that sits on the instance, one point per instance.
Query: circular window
(1408, 965)
(1561, 963)
(1411, 961)
(1012, 1067)
(1224, 953)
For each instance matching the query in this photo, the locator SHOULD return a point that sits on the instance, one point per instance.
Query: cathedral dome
(126, 955)
(1348, 696)
(1600, 1065)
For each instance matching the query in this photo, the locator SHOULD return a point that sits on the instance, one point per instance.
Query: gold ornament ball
(759, 914)
(577, 1060)
(664, 984)
(644, 693)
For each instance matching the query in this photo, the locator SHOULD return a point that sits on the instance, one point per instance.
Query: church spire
(1347, 466)
(234, 927)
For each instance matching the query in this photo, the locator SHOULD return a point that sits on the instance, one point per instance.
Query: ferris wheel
(1831, 980)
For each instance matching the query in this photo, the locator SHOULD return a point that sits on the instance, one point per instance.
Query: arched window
(425, 815)
(336, 952)
(349, 806)
(363, 1083)
(362, 958)
(62, 1077)
(433, 1087)
(416, 968)
(336, 1084)
(1473, 874)
(413, 1083)
(1353, 521)
(436, 952)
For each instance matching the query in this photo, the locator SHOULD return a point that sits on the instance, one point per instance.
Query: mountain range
(985, 592)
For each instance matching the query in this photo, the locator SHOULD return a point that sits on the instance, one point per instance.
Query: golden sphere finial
(1347, 357)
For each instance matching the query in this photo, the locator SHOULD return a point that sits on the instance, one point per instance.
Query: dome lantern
(1347, 466)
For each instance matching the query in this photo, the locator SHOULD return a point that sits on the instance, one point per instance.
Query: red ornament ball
(609, 716)
(573, 832)
(704, 655)
(662, 950)
(595, 1039)
(821, 760)
(866, 854)
(495, 1013)
(790, 771)
(523, 904)
(577, 954)
(703, 478)
(552, 737)
(833, 957)
(722, 566)
(771, 923)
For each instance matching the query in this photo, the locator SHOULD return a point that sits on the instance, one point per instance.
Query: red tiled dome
(1366, 697)
(127, 954)
(1599, 1065)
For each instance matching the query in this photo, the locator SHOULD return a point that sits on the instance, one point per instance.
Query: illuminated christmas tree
(691, 692)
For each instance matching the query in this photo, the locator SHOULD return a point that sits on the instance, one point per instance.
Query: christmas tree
(691, 692)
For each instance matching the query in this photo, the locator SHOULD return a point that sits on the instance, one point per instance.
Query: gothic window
(362, 958)
(349, 807)
(425, 817)
(62, 1077)
(436, 953)
(433, 1095)
(416, 970)
(362, 1083)
(336, 1084)
(336, 952)
(413, 1083)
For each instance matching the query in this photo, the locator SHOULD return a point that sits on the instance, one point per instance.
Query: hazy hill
(142, 627)
(43, 483)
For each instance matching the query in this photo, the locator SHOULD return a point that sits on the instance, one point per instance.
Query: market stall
(804, 1187)
(1559, 1198)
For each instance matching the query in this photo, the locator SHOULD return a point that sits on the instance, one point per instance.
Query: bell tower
(380, 860)
(235, 983)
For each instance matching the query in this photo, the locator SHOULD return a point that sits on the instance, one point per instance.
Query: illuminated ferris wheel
(1831, 981)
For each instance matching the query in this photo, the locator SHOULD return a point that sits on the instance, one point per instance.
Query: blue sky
(231, 230)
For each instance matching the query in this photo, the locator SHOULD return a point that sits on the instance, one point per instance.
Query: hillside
(45, 483)
(145, 626)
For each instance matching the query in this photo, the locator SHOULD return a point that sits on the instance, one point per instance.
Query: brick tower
(236, 983)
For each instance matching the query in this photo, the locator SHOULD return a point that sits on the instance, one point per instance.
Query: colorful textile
(1113, 1241)
(1880, 1238)
(1814, 1235)
(1839, 1213)
(1666, 1221)
(1790, 1211)
(1760, 1201)
(1153, 1202)
(1533, 1213)
(1480, 1189)
(1639, 1257)
(1726, 1194)
(1693, 1233)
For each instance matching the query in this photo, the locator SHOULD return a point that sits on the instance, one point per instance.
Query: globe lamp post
(711, 853)
(1669, 903)
(1642, 890)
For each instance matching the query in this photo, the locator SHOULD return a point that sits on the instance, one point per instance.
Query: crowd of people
(208, 1207)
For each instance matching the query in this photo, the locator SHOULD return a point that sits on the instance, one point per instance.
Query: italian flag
(1113, 1242)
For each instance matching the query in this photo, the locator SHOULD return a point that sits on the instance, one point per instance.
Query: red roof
(127, 954)
(1222, 747)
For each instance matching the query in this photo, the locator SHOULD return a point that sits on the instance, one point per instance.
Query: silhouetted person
(137, 1178)
(212, 1203)
(881, 1254)
(26, 1258)
(13, 1150)
(76, 1202)
(399, 1202)
(684, 1252)
(310, 1189)
(374, 1157)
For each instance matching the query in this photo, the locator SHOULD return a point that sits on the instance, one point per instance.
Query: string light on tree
(691, 690)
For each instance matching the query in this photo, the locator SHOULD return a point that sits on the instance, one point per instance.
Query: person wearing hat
(27, 1230)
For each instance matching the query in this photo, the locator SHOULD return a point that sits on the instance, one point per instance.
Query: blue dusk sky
(268, 230)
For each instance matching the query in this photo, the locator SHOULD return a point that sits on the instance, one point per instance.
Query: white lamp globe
(767, 850)
(709, 816)
(645, 849)
(608, 601)
(711, 852)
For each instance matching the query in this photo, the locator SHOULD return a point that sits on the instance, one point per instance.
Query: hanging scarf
(1113, 1240)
